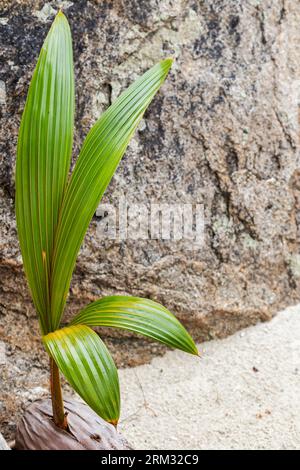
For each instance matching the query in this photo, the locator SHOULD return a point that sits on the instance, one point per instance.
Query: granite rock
(223, 133)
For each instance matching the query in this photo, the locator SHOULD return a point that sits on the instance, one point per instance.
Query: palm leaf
(103, 148)
(43, 160)
(140, 316)
(87, 364)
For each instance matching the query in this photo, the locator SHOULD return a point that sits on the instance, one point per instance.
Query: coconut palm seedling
(53, 211)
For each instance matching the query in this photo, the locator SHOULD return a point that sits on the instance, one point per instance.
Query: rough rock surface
(223, 132)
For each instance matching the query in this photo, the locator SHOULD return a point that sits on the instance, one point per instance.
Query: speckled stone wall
(222, 132)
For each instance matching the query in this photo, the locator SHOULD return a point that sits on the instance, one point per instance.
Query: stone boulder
(222, 133)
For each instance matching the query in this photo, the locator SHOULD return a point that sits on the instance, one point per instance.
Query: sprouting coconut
(53, 213)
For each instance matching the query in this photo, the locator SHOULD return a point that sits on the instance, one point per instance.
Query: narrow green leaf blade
(102, 150)
(87, 364)
(140, 316)
(43, 160)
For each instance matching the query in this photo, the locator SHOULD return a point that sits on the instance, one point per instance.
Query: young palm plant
(53, 211)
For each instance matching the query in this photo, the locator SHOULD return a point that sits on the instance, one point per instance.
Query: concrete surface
(244, 393)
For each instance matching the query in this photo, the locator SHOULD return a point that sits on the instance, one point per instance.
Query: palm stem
(59, 416)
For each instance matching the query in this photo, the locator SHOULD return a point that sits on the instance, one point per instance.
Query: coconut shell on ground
(87, 431)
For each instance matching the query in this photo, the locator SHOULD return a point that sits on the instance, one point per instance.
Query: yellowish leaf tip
(60, 16)
(168, 61)
(114, 422)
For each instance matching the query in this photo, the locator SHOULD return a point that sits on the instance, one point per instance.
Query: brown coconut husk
(86, 430)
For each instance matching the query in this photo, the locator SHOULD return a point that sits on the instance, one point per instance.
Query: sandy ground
(244, 393)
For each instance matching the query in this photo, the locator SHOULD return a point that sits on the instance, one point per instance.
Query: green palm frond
(43, 161)
(140, 316)
(86, 363)
(102, 150)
